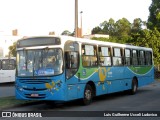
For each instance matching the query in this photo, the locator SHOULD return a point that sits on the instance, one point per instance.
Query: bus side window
(104, 56)
(127, 55)
(89, 55)
(71, 59)
(134, 57)
(141, 58)
(148, 58)
(0, 64)
(117, 57)
(8, 64)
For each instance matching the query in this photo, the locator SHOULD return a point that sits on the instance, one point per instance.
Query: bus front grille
(34, 81)
(35, 89)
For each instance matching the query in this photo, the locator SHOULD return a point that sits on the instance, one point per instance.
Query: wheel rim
(88, 94)
(134, 87)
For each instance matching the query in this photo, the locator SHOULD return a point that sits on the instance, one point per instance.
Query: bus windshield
(41, 62)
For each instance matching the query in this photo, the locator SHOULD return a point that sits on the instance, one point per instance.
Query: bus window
(117, 56)
(71, 63)
(148, 58)
(141, 58)
(104, 56)
(0, 64)
(89, 55)
(40, 62)
(127, 57)
(8, 64)
(71, 60)
(134, 57)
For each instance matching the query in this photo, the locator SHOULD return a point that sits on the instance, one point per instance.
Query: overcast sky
(39, 17)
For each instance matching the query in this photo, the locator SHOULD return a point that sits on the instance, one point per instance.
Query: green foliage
(150, 39)
(97, 30)
(12, 50)
(112, 39)
(66, 32)
(108, 27)
(154, 17)
(8, 102)
(122, 31)
(123, 28)
(136, 25)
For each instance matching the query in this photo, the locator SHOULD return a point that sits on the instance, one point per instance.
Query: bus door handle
(78, 77)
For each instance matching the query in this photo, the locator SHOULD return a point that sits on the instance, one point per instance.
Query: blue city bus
(62, 68)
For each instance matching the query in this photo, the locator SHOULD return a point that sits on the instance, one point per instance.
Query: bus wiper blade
(26, 60)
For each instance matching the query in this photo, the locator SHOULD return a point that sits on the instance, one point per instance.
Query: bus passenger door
(71, 60)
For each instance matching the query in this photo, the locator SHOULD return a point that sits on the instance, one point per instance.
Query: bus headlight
(18, 88)
(59, 84)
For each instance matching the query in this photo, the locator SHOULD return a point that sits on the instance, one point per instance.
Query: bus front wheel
(88, 95)
(134, 87)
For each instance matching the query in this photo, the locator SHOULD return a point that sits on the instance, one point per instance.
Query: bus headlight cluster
(18, 88)
(59, 84)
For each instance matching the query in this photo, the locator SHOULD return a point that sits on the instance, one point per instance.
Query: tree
(136, 25)
(97, 30)
(108, 27)
(123, 27)
(136, 28)
(66, 32)
(12, 50)
(150, 39)
(154, 17)
(118, 31)
(123, 30)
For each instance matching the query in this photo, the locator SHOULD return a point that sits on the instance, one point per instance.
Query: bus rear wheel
(88, 95)
(134, 87)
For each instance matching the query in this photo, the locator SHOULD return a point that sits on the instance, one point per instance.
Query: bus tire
(88, 95)
(134, 87)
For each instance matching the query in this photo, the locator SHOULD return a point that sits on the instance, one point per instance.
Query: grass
(7, 102)
(157, 79)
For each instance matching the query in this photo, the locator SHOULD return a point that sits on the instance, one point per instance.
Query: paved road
(146, 99)
(7, 89)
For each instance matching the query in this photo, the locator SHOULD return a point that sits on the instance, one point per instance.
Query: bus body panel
(74, 89)
(45, 88)
(116, 79)
(7, 76)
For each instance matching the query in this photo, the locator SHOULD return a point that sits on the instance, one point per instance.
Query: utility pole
(76, 18)
(81, 22)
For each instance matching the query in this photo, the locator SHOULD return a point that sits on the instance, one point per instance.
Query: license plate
(34, 95)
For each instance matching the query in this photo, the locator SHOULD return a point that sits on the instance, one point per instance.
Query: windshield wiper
(44, 54)
(26, 59)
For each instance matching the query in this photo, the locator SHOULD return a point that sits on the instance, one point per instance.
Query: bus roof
(103, 43)
(89, 41)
